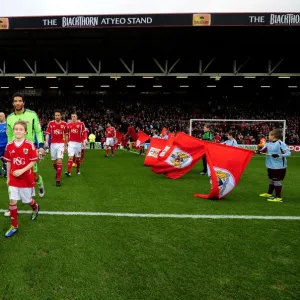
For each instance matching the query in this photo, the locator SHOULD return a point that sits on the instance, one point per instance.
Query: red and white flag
(132, 133)
(155, 147)
(226, 165)
(164, 151)
(142, 138)
(181, 157)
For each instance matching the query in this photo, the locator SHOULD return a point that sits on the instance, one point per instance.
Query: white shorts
(57, 151)
(110, 142)
(24, 194)
(74, 148)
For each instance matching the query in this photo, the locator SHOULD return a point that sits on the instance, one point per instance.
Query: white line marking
(172, 216)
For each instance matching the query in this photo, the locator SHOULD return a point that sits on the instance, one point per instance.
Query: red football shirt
(85, 134)
(110, 132)
(19, 157)
(76, 132)
(57, 131)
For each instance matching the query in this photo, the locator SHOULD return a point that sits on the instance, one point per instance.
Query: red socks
(70, 163)
(54, 165)
(59, 171)
(33, 204)
(13, 209)
(14, 215)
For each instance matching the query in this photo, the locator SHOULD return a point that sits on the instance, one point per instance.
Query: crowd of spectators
(150, 113)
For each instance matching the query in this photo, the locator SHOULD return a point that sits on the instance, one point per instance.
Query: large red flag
(155, 147)
(132, 133)
(142, 138)
(226, 165)
(184, 153)
(119, 137)
(168, 145)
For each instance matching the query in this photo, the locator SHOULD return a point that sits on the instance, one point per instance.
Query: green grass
(84, 257)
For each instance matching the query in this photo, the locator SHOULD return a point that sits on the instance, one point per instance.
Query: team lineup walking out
(58, 130)
(33, 130)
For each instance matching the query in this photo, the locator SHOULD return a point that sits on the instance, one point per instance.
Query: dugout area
(84, 246)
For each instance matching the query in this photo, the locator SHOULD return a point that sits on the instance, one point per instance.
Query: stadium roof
(193, 52)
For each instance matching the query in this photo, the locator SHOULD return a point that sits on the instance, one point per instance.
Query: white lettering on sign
(285, 19)
(50, 22)
(80, 21)
(257, 19)
(126, 21)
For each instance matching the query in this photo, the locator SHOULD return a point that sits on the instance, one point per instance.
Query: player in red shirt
(75, 136)
(58, 130)
(110, 139)
(20, 156)
(84, 142)
(218, 138)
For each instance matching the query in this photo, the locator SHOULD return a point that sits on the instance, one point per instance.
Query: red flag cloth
(132, 133)
(119, 137)
(163, 132)
(124, 142)
(182, 156)
(142, 138)
(226, 165)
(168, 145)
(155, 147)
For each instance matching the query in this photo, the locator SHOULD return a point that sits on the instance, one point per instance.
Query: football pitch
(119, 231)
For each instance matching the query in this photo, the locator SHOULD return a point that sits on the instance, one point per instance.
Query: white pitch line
(172, 216)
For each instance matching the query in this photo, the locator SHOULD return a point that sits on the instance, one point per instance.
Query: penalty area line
(163, 216)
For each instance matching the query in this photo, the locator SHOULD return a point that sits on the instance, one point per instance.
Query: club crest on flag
(25, 151)
(179, 159)
(154, 152)
(226, 181)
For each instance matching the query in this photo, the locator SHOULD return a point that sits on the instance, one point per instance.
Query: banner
(294, 148)
(248, 147)
(155, 147)
(152, 20)
(226, 165)
(184, 153)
